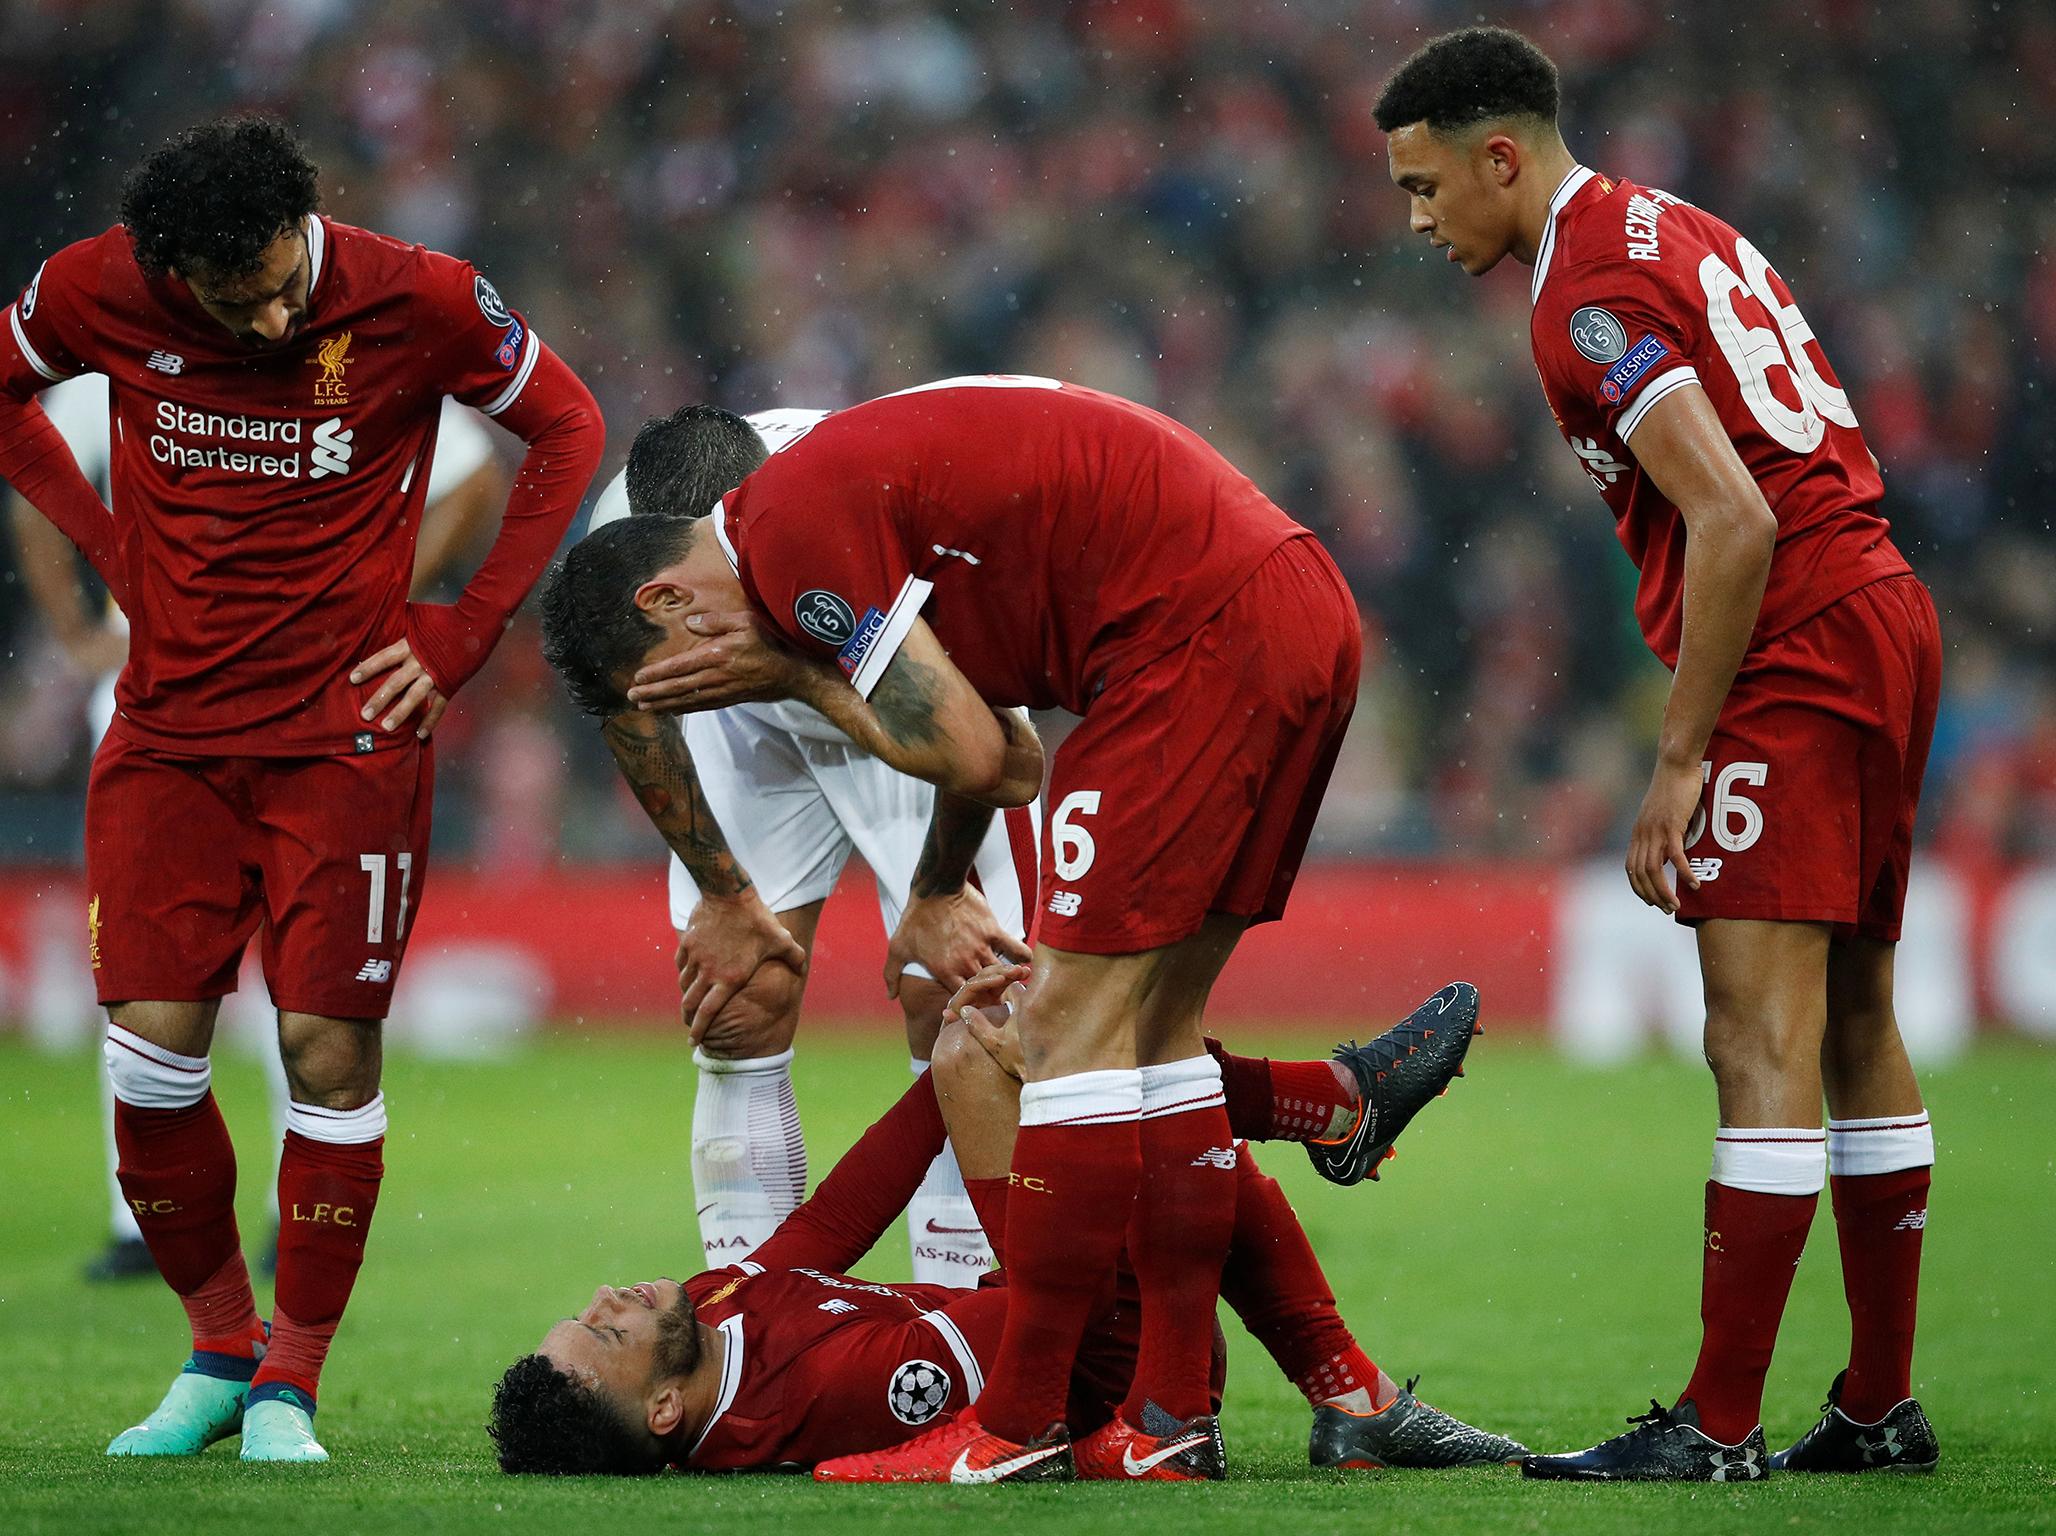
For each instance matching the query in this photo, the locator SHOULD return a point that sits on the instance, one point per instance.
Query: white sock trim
(917, 1065)
(147, 1076)
(338, 1127)
(1179, 1087)
(722, 1066)
(1880, 1144)
(1771, 1160)
(1084, 1098)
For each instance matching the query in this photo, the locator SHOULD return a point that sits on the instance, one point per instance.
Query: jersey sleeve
(825, 565)
(48, 334)
(1620, 338)
(478, 351)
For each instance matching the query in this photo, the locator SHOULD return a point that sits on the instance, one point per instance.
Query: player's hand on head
(731, 662)
(952, 936)
(1656, 846)
(727, 942)
(408, 692)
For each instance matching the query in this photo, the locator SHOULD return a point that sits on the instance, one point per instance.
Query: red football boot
(958, 1450)
(1181, 1453)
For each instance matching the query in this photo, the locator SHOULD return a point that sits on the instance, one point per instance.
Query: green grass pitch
(1532, 1252)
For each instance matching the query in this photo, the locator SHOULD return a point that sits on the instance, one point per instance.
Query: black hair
(215, 198)
(592, 630)
(546, 1420)
(681, 464)
(1467, 77)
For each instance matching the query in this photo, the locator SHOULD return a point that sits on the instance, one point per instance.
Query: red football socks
(1275, 1285)
(1077, 1161)
(326, 1192)
(1753, 1243)
(1178, 1235)
(1287, 1100)
(989, 1200)
(178, 1173)
(1880, 1218)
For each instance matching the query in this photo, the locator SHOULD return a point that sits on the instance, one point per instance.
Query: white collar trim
(731, 1378)
(317, 246)
(1568, 188)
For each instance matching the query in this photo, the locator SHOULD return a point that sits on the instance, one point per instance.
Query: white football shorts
(795, 805)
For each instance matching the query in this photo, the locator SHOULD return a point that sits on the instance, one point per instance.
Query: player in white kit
(465, 489)
(783, 800)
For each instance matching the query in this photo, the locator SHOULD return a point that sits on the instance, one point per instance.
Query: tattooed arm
(732, 934)
(925, 719)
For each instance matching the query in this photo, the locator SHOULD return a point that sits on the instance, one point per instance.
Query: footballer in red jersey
(275, 382)
(1806, 668)
(916, 567)
(786, 1361)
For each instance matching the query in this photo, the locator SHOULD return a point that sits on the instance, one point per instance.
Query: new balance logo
(1602, 466)
(1216, 1157)
(376, 970)
(1705, 871)
(330, 454)
(1065, 903)
(165, 362)
(838, 1306)
(1912, 1221)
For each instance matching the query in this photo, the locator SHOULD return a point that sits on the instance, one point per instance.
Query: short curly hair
(217, 195)
(547, 1421)
(1471, 76)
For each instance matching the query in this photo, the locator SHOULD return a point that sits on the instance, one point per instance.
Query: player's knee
(331, 1063)
(748, 1036)
(921, 1003)
(958, 1061)
(1758, 1048)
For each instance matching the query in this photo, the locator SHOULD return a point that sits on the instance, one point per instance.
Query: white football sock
(942, 1225)
(749, 1160)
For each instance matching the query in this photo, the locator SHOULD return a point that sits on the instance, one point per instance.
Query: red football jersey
(1636, 294)
(266, 500)
(818, 1365)
(1056, 536)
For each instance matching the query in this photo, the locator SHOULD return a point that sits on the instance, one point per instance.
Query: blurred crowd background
(783, 202)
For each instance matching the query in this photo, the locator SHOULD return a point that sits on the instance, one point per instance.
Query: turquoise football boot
(279, 1426)
(198, 1410)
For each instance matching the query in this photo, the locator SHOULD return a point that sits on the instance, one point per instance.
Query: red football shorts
(1192, 784)
(1813, 773)
(185, 855)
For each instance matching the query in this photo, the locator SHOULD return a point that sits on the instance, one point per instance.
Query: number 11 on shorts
(374, 865)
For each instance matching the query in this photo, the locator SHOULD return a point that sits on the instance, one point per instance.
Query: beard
(678, 1338)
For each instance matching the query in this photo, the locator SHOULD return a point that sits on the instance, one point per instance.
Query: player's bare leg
(328, 1178)
(178, 1173)
(1880, 1151)
(1766, 1014)
(745, 1181)
(944, 1230)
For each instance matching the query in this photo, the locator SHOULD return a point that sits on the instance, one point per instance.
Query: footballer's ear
(1502, 154)
(663, 596)
(664, 1409)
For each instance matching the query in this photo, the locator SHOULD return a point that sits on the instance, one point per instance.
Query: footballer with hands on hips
(1806, 667)
(919, 567)
(762, 805)
(276, 380)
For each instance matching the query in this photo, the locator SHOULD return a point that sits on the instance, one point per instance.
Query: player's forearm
(1727, 564)
(908, 725)
(558, 419)
(956, 828)
(651, 753)
(35, 460)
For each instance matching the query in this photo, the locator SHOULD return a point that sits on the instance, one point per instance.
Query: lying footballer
(784, 1362)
